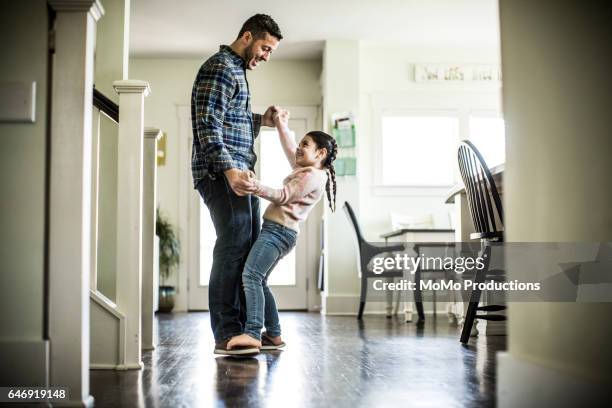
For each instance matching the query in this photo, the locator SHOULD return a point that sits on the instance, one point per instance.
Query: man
(224, 129)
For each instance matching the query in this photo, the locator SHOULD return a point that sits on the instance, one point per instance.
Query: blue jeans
(274, 242)
(237, 223)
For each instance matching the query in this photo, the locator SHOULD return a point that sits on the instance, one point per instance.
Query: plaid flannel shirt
(224, 128)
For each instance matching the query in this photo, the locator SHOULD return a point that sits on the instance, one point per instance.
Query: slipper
(221, 348)
(267, 344)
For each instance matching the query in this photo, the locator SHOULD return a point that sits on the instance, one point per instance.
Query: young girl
(313, 170)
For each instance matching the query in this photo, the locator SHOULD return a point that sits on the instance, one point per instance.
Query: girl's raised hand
(281, 117)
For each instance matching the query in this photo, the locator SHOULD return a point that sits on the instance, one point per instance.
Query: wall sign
(456, 73)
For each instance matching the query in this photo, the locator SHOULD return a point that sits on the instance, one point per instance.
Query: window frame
(441, 102)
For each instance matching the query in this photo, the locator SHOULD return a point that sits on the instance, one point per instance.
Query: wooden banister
(106, 105)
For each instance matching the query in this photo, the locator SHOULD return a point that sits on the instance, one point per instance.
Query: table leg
(389, 294)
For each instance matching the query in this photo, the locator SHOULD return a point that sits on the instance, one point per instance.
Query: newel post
(129, 213)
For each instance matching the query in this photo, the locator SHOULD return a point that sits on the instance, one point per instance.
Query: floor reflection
(237, 380)
(329, 361)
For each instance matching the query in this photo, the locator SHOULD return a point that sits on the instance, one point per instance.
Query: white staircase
(107, 337)
(120, 330)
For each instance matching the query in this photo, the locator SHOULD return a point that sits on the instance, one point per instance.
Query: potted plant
(169, 257)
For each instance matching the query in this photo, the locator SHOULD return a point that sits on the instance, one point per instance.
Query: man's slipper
(267, 344)
(221, 348)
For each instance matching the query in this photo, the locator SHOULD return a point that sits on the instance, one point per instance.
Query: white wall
(387, 78)
(557, 189)
(286, 82)
(106, 262)
(384, 78)
(290, 82)
(111, 59)
(340, 82)
(22, 208)
(111, 64)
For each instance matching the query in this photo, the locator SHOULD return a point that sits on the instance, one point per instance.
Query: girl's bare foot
(243, 340)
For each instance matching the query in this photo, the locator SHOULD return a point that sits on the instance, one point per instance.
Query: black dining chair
(367, 251)
(487, 214)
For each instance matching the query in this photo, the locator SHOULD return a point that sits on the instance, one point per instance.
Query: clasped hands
(275, 116)
(242, 182)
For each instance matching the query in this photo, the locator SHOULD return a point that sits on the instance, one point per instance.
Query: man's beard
(249, 55)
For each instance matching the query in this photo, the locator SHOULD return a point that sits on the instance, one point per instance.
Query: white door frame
(189, 215)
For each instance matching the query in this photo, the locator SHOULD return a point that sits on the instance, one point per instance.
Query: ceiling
(195, 28)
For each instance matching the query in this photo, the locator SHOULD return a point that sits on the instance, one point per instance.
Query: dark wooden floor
(329, 361)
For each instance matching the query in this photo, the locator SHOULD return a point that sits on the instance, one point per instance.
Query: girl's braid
(329, 164)
(325, 141)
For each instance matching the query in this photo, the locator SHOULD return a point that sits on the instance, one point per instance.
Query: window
(419, 150)
(487, 134)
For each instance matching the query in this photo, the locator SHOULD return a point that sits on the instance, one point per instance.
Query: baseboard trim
(525, 384)
(136, 366)
(348, 305)
(93, 366)
(87, 403)
(365, 313)
(118, 367)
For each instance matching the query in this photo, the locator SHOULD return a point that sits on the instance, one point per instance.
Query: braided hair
(325, 141)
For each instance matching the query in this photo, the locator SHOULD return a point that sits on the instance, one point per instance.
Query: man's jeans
(237, 223)
(274, 242)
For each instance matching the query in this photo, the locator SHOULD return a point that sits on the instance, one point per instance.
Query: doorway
(292, 277)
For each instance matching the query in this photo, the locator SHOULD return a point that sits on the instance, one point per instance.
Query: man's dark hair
(259, 25)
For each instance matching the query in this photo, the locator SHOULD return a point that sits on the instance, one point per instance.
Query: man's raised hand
(268, 117)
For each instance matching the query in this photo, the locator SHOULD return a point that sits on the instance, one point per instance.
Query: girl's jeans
(274, 242)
